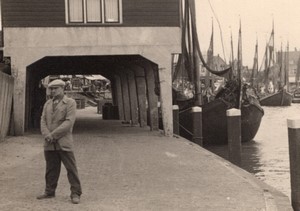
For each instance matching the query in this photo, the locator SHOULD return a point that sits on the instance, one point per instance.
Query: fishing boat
(234, 94)
(296, 96)
(214, 114)
(281, 96)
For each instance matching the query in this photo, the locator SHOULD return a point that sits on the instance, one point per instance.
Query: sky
(256, 20)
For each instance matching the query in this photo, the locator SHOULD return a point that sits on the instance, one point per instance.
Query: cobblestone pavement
(130, 168)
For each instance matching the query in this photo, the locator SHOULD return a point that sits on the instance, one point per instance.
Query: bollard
(176, 119)
(294, 154)
(234, 136)
(197, 125)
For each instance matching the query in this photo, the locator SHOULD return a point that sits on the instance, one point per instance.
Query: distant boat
(296, 94)
(281, 97)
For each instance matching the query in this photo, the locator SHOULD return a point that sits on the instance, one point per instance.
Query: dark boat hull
(281, 98)
(296, 97)
(215, 122)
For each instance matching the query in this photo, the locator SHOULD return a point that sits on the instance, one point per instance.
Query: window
(93, 11)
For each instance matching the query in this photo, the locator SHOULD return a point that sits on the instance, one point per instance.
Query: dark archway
(108, 66)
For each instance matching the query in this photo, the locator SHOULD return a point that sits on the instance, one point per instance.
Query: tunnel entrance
(132, 80)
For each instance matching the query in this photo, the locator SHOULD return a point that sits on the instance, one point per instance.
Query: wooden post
(197, 125)
(294, 152)
(119, 97)
(152, 97)
(126, 97)
(133, 98)
(234, 136)
(141, 94)
(176, 119)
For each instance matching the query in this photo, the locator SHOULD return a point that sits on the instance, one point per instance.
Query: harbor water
(267, 156)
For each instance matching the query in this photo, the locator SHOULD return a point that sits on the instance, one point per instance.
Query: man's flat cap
(56, 83)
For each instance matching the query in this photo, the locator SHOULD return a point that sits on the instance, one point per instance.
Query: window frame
(85, 12)
(69, 16)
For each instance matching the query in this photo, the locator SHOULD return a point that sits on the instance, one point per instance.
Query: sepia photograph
(139, 105)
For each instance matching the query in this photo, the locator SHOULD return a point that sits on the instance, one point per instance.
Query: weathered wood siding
(6, 96)
(151, 12)
(51, 13)
(33, 13)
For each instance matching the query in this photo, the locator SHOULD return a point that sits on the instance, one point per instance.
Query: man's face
(56, 91)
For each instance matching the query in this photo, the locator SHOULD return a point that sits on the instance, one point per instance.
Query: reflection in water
(267, 156)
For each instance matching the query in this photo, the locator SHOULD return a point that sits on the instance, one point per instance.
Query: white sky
(256, 18)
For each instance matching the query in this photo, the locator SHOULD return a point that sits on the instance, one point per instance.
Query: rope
(221, 34)
(184, 128)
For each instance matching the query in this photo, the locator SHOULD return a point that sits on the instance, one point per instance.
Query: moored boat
(296, 96)
(234, 93)
(280, 98)
(214, 115)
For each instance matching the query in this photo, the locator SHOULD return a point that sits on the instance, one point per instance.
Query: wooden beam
(133, 97)
(141, 93)
(125, 95)
(152, 97)
(120, 103)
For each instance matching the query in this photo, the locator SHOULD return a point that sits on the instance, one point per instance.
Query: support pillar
(133, 98)
(152, 97)
(125, 95)
(141, 92)
(119, 96)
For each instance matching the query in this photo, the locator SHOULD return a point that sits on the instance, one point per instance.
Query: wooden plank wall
(51, 13)
(6, 96)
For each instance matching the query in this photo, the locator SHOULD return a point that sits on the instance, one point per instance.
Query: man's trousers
(53, 167)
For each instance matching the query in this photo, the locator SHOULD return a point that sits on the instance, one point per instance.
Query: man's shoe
(45, 196)
(75, 199)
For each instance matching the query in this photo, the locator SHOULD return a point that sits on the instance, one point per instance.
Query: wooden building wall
(51, 13)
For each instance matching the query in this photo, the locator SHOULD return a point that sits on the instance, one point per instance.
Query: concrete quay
(130, 168)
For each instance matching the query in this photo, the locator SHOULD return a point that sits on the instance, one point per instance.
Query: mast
(232, 72)
(210, 56)
(253, 79)
(266, 72)
(287, 69)
(196, 55)
(240, 66)
(240, 62)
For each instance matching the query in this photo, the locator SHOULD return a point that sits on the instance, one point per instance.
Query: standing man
(57, 122)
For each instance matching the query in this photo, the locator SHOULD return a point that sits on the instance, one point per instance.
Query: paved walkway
(129, 168)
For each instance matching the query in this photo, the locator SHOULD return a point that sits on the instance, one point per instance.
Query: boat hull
(281, 98)
(215, 122)
(296, 97)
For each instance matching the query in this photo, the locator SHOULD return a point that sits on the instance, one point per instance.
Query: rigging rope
(221, 34)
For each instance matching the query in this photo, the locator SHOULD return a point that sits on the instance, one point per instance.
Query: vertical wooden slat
(1, 103)
(6, 95)
(141, 94)
(126, 97)
(119, 97)
(9, 105)
(5, 106)
(133, 98)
